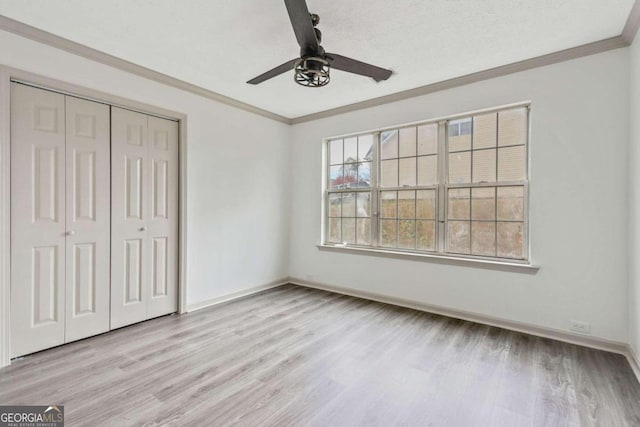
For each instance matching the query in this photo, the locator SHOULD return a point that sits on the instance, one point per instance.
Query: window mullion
(525, 218)
(327, 186)
(442, 179)
(375, 192)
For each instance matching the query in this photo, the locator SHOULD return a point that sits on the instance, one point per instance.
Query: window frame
(441, 188)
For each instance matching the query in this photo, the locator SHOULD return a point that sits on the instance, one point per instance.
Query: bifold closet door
(88, 218)
(162, 222)
(144, 217)
(37, 219)
(59, 219)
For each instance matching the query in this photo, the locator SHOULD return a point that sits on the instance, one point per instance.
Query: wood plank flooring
(294, 356)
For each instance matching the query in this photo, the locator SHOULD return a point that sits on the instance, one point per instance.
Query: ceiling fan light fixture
(312, 71)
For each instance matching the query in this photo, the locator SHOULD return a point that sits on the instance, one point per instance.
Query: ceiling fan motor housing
(312, 71)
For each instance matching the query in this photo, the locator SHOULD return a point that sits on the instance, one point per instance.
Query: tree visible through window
(453, 187)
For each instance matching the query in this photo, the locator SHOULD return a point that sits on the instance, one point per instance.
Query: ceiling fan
(313, 66)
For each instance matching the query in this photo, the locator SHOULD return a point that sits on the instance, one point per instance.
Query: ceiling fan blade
(287, 66)
(302, 25)
(343, 63)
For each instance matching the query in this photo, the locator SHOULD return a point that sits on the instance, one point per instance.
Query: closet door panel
(163, 216)
(37, 219)
(88, 218)
(129, 211)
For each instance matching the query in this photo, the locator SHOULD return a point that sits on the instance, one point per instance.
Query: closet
(93, 218)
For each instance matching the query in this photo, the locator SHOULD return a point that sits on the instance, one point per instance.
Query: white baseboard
(556, 334)
(236, 295)
(632, 357)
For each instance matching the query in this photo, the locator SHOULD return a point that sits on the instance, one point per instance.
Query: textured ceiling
(219, 45)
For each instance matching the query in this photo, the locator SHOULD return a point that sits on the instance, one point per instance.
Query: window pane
(349, 205)
(511, 203)
(460, 168)
(428, 139)
(349, 230)
(454, 129)
(389, 173)
(459, 143)
(459, 206)
(459, 135)
(465, 126)
(426, 204)
(335, 151)
(511, 163)
(334, 204)
(389, 204)
(351, 175)
(407, 234)
(511, 240)
(365, 147)
(350, 150)
(427, 170)
(426, 235)
(363, 232)
(483, 203)
(364, 174)
(336, 178)
(408, 142)
(388, 232)
(389, 144)
(407, 204)
(408, 172)
(333, 234)
(484, 166)
(512, 127)
(483, 238)
(484, 131)
(458, 236)
(363, 208)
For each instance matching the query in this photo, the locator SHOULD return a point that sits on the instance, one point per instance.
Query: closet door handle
(70, 233)
(143, 228)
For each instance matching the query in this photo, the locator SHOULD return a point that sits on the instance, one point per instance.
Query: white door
(37, 219)
(129, 205)
(144, 185)
(162, 221)
(88, 218)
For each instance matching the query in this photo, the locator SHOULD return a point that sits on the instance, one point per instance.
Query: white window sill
(513, 266)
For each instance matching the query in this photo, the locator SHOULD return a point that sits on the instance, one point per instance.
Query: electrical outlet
(580, 327)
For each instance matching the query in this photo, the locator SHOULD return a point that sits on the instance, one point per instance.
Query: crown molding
(49, 39)
(528, 64)
(625, 39)
(633, 23)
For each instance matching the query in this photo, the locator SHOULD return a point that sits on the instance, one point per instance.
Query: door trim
(7, 74)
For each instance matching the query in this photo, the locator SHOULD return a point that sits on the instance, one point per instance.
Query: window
(451, 187)
(460, 127)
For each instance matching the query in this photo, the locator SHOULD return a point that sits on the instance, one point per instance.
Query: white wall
(578, 195)
(237, 172)
(634, 199)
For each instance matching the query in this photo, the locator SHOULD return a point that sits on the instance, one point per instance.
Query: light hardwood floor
(294, 356)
